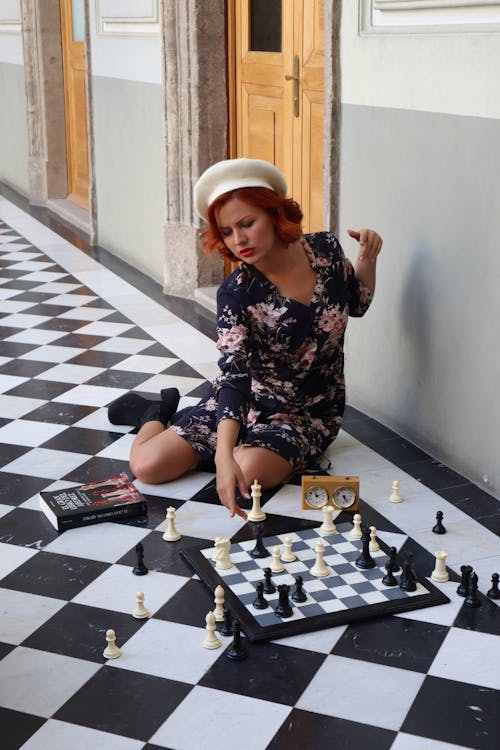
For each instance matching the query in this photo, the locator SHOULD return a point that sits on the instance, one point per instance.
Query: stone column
(331, 137)
(196, 122)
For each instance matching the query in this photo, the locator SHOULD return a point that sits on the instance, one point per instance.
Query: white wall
(420, 163)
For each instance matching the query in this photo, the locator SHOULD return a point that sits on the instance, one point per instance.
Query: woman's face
(248, 232)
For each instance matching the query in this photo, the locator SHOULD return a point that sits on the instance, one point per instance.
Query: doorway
(277, 93)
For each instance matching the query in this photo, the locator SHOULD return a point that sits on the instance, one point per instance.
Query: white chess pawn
(276, 565)
(319, 569)
(256, 514)
(111, 651)
(211, 640)
(440, 573)
(395, 496)
(140, 612)
(327, 527)
(219, 604)
(374, 546)
(288, 555)
(171, 534)
(356, 532)
(222, 557)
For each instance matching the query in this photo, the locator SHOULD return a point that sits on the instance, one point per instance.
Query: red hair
(285, 212)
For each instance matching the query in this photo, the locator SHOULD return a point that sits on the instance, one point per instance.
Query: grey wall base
(426, 358)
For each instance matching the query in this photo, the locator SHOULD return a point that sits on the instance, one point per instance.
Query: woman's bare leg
(267, 467)
(160, 455)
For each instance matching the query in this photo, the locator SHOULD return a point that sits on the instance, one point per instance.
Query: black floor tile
(82, 440)
(119, 379)
(97, 358)
(434, 475)
(59, 413)
(17, 728)
(15, 489)
(39, 388)
(471, 499)
(164, 556)
(483, 619)
(25, 368)
(187, 606)
(9, 452)
(96, 467)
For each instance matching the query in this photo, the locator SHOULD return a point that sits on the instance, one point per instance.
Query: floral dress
(282, 362)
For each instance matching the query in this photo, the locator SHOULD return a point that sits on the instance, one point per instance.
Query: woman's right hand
(229, 477)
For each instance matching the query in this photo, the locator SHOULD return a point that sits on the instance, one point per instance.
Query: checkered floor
(74, 336)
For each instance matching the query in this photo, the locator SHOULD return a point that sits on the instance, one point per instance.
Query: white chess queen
(278, 400)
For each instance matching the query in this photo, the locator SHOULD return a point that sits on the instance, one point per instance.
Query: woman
(279, 399)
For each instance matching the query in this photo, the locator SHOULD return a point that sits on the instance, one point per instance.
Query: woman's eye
(247, 224)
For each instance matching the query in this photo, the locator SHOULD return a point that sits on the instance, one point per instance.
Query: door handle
(296, 83)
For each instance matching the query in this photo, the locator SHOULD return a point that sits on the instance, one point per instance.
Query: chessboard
(75, 335)
(347, 594)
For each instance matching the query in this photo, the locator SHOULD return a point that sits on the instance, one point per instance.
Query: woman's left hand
(370, 243)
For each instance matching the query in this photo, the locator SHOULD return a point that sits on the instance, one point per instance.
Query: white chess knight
(222, 557)
(356, 532)
(256, 514)
(319, 569)
(171, 534)
(328, 526)
(440, 573)
(395, 497)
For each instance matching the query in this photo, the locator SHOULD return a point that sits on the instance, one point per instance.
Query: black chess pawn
(389, 579)
(439, 528)
(494, 593)
(394, 559)
(472, 599)
(284, 608)
(260, 602)
(140, 568)
(408, 580)
(299, 595)
(237, 650)
(465, 570)
(259, 550)
(269, 587)
(365, 560)
(226, 627)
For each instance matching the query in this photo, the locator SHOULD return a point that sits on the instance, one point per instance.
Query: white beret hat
(233, 174)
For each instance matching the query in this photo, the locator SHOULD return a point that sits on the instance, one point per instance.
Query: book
(108, 499)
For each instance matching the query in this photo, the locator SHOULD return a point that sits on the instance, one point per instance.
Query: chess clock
(342, 493)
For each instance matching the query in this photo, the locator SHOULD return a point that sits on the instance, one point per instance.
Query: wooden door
(75, 100)
(277, 112)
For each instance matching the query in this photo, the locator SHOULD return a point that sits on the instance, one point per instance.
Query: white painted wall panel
(11, 48)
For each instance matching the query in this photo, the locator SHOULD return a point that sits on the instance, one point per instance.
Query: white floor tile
(44, 462)
(468, 656)
(65, 373)
(122, 345)
(411, 742)
(22, 614)
(90, 395)
(145, 363)
(205, 521)
(119, 449)
(12, 556)
(179, 489)
(59, 735)
(464, 541)
(37, 336)
(53, 353)
(7, 382)
(98, 420)
(157, 382)
(28, 432)
(101, 328)
(13, 407)
(100, 541)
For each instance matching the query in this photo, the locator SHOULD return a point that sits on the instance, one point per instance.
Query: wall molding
(387, 17)
(132, 18)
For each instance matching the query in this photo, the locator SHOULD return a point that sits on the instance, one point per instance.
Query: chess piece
(214, 553)
(222, 557)
(319, 569)
(465, 570)
(327, 527)
(227, 626)
(140, 612)
(472, 599)
(219, 604)
(237, 650)
(260, 602)
(355, 532)
(256, 514)
(395, 497)
(494, 592)
(389, 579)
(392, 554)
(171, 534)
(276, 565)
(259, 551)
(374, 545)
(139, 569)
(111, 651)
(269, 587)
(299, 595)
(284, 608)
(211, 640)
(288, 555)
(440, 573)
(365, 560)
(439, 528)
(408, 580)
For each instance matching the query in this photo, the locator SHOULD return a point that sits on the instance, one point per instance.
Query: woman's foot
(133, 409)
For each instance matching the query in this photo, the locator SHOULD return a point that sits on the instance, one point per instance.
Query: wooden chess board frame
(288, 627)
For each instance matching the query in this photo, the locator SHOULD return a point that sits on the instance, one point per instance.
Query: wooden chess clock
(342, 493)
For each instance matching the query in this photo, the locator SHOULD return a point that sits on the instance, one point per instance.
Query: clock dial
(344, 497)
(316, 497)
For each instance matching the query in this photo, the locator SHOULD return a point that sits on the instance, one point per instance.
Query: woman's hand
(370, 243)
(229, 477)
